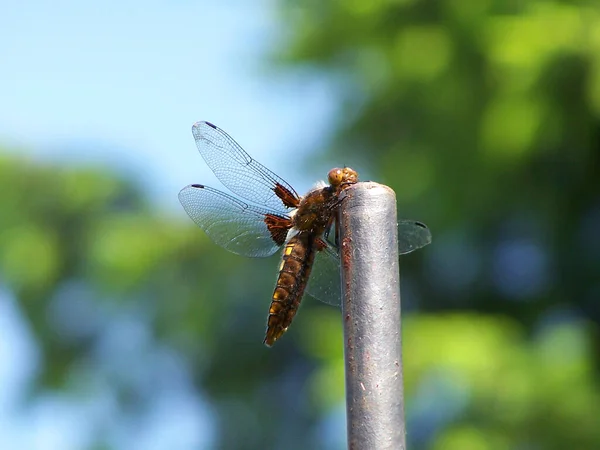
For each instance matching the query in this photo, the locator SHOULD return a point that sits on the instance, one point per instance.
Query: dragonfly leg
(320, 244)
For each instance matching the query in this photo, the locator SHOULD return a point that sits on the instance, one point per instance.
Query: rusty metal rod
(371, 316)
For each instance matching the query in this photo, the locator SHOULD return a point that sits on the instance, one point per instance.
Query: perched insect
(277, 216)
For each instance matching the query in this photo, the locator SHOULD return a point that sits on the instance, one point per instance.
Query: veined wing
(412, 235)
(239, 172)
(233, 224)
(324, 280)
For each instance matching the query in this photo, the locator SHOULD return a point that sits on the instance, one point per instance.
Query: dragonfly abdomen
(296, 264)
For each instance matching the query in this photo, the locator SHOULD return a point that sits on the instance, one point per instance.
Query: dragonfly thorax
(315, 210)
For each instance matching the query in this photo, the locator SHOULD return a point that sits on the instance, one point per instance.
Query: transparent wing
(229, 222)
(237, 170)
(324, 280)
(412, 235)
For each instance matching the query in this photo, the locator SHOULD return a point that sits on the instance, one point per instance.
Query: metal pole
(371, 316)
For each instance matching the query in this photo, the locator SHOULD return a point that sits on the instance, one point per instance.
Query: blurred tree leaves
(507, 390)
(84, 268)
(95, 270)
(483, 116)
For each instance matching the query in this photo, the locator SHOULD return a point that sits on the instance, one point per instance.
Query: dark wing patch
(289, 199)
(278, 226)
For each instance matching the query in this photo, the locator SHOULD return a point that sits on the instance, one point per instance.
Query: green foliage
(484, 117)
(518, 390)
(82, 252)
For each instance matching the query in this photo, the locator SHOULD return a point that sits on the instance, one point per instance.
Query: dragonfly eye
(335, 177)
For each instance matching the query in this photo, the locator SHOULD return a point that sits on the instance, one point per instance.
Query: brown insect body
(298, 257)
(315, 213)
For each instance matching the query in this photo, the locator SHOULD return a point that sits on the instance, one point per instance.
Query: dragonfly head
(341, 178)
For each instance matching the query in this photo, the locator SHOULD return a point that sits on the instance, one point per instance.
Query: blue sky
(119, 84)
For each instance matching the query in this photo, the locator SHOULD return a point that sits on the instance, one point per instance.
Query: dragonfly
(267, 214)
